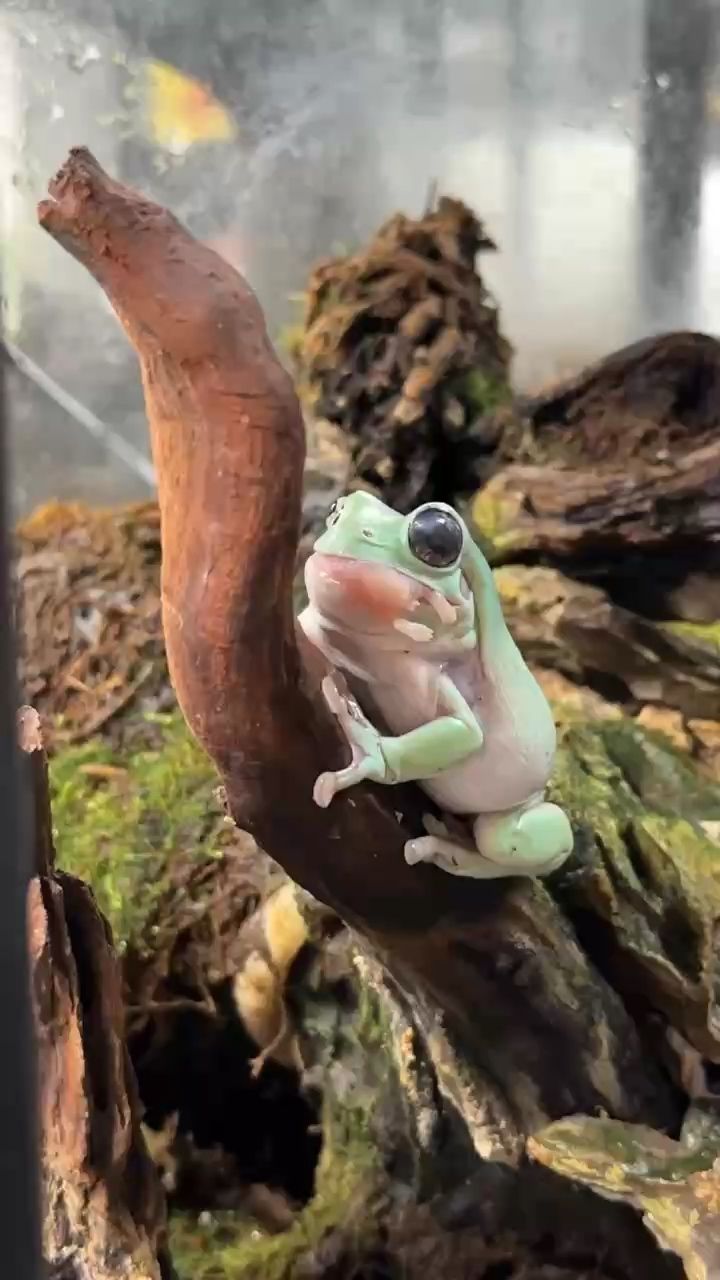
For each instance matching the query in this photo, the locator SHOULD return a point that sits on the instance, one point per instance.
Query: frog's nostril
(367, 533)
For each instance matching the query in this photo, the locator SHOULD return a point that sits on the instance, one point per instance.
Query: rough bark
(103, 1213)
(534, 1029)
(657, 397)
(628, 491)
(675, 1184)
(562, 511)
(647, 533)
(575, 628)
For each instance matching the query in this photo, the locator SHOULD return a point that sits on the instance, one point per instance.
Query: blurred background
(585, 134)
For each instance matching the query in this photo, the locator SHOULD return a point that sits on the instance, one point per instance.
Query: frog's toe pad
(420, 850)
(324, 789)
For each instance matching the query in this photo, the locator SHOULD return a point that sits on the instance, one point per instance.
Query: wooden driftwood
(613, 477)
(656, 398)
(575, 628)
(562, 511)
(103, 1211)
(532, 989)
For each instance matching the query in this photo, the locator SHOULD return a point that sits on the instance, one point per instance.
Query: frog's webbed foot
(367, 760)
(439, 847)
(527, 842)
(456, 859)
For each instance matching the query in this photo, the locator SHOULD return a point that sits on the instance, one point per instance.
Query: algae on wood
(601, 771)
(576, 628)
(103, 1210)
(676, 1184)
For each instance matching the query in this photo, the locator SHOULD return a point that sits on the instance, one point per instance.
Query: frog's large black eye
(435, 537)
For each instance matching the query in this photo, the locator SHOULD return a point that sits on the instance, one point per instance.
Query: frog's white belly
(516, 758)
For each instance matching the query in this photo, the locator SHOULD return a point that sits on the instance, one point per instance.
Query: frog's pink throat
(365, 595)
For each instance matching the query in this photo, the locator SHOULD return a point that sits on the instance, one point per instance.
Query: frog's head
(376, 572)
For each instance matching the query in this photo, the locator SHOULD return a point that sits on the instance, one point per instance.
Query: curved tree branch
(497, 961)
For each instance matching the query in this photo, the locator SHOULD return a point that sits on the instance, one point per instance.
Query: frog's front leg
(364, 742)
(533, 840)
(419, 754)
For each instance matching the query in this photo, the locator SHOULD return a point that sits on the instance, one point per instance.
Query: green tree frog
(406, 606)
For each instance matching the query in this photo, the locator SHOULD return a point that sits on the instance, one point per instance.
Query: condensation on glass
(586, 135)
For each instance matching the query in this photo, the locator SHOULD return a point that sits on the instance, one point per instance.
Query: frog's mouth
(363, 596)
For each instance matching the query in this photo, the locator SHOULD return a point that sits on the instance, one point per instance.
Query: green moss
(492, 518)
(122, 817)
(618, 1156)
(482, 392)
(644, 865)
(660, 773)
(592, 790)
(704, 633)
(589, 781)
(636, 806)
(616, 770)
(674, 1183)
(228, 1247)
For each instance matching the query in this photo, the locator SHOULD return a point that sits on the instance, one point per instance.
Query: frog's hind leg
(531, 841)
(448, 854)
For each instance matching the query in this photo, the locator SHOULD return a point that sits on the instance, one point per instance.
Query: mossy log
(657, 397)
(523, 1003)
(676, 1184)
(573, 512)
(613, 478)
(577, 629)
(103, 1209)
(396, 1090)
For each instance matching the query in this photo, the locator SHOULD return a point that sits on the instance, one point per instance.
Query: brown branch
(605, 510)
(575, 628)
(228, 443)
(496, 960)
(653, 399)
